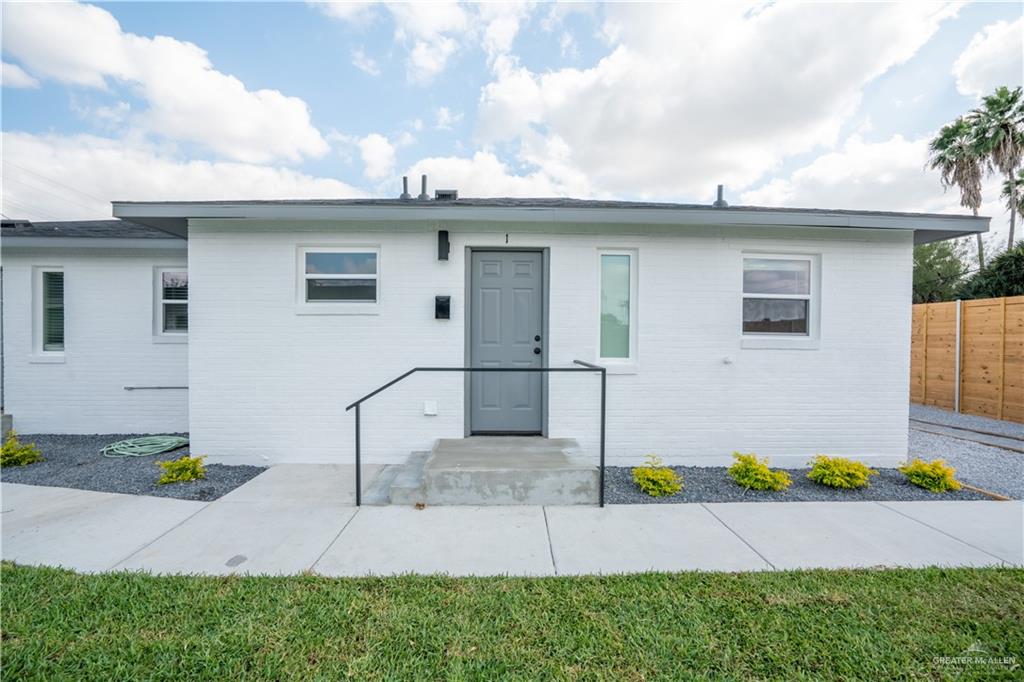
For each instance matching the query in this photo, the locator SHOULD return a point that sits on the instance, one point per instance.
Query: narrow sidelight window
(174, 301)
(53, 310)
(776, 296)
(617, 306)
(340, 276)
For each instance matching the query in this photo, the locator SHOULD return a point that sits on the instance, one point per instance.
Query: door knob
(536, 351)
(537, 337)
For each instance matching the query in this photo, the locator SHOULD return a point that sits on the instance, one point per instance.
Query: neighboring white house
(776, 331)
(95, 327)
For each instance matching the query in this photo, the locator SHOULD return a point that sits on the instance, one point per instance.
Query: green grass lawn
(872, 625)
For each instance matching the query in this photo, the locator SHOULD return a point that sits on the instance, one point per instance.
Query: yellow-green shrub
(936, 475)
(753, 473)
(16, 454)
(839, 472)
(656, 479)
(183, 469)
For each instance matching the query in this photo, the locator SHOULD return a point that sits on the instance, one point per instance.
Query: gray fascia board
(92, 243)
(171, 216)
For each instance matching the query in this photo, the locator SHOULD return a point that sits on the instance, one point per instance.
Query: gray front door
(506, 323)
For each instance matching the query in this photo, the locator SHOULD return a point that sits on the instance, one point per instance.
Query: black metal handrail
(584, 367)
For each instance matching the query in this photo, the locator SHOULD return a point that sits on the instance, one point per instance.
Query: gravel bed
(74, 461)
(967, 421)
(713, 484)
(995, 469)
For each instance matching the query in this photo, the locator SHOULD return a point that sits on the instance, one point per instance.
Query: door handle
(536, 351)
(537, 337)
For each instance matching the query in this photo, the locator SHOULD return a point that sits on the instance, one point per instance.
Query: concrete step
(378, 491)
(407, 485)
(508, 470)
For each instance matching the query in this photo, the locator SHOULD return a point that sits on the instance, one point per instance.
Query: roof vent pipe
(405, 196)
(720, 202)
(423, 191)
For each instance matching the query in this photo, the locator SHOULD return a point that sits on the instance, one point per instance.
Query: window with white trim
(333, 275)
(172, 299)
(51, 313)
(618, 305)
(777, 295)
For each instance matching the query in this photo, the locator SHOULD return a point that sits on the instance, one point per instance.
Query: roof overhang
(169, 243)
(173, 217)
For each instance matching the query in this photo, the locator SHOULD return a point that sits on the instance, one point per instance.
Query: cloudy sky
(824, 105)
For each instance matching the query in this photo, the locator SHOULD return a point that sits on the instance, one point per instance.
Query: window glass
(776, 276)
(53, 311)
(174, 301)
(615, 286)
(341, 289)
(775, 315)
(341, 263)
(342, 276)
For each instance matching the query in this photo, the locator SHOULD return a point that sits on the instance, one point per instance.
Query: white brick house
(781, 332)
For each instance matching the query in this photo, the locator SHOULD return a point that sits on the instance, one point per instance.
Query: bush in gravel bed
(839, 472)
(936, 476)
(181, 470)
(15, 453)
(656, 479)
(753, 473)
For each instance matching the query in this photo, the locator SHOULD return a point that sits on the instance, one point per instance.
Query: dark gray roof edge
(83, 229)
(547, 203)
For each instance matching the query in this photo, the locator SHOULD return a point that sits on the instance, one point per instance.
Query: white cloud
(364, 62)
(433, 32)
(446, 119)
(485, 175)
(888, 176)
(674, 109)
(567, 44)
(994, 57)
(13, 76)
(378, 156)
(353, 12)
(74, 177)
(188, 99)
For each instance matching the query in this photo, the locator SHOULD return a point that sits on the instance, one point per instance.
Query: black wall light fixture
(443, 245)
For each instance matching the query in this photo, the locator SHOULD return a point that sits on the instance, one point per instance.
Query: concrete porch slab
(843, 535)
(303, 483)
(450, 540)
(272, 537)
(83, 530)
(993, 527)
(637, 538)
(508, 470)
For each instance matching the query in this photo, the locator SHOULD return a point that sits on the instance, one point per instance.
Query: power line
(51, 193)
(54, 182)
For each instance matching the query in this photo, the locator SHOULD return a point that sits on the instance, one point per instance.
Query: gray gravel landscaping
(713, 484)
(995, 469)
(74, 461)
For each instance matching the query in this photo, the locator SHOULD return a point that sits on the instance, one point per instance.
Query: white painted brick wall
(269, 385)
(108, 340)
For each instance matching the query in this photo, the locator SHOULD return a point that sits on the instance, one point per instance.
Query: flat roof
(173, 216)
(87, 233)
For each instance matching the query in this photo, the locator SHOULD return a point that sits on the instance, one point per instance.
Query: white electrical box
(430, 408)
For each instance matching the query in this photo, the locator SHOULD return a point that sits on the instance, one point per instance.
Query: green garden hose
(143, 447)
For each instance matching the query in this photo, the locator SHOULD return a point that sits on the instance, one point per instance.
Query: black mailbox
(442, 307)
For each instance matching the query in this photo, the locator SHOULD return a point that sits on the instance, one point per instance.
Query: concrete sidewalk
(292, 519)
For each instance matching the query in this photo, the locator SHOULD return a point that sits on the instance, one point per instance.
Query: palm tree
(999, 128)
(955, 154)
(1008, 189)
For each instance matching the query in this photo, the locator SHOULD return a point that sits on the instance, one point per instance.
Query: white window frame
(780, 340)
(159, 335)
(630, 362)
(305, 307)
(39, 354)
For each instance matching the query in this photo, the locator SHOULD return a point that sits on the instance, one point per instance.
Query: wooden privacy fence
(968, 356)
